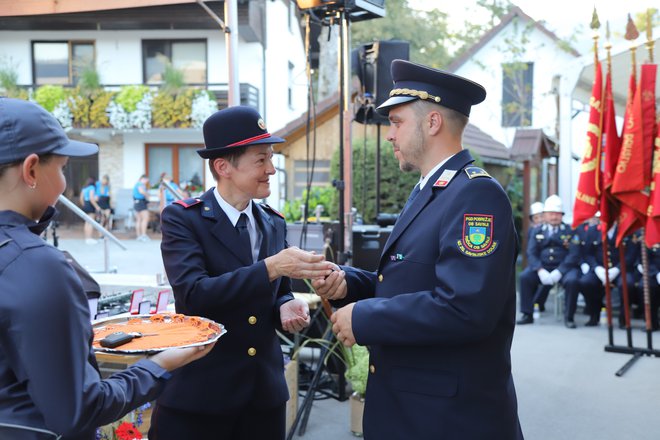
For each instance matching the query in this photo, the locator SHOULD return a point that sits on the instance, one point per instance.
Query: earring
(33, 186)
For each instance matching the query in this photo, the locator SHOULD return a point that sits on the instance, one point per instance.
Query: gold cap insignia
(261, 124)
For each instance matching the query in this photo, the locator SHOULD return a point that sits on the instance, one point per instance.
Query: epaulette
(273, 210)
(473, 172)
(187, 203)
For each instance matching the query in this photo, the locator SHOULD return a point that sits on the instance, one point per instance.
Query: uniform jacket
(593, 249)
(438, 314)
(211, 277)
(48, 375)
(552, 251)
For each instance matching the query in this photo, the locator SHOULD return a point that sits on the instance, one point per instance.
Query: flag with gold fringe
(587, 197)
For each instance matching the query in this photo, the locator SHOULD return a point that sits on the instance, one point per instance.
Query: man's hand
(584, 267)
(294, 315)
(296, 263)
(342, 325)
(544, 276)
(613, 273)
(555, 276)
(333, 286)
(600, 273)
(174, 358)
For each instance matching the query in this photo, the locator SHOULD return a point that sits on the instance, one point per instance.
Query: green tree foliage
(395, 185)
(317, 196)
(426, 31)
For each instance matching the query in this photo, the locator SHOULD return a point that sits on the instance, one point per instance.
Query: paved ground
(565, 380)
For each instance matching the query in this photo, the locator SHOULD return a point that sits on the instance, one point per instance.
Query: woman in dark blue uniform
(227, 259)
(50, 385)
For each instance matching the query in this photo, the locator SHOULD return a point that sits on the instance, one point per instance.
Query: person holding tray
(50, 385)
(227, 259)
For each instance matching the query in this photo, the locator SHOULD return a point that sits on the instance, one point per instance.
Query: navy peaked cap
(26, 128)
(413, 81)
(234, 127)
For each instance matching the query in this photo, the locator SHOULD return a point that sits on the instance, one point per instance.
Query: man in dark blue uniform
(227, 259)
(438, 314)
(592, 284)
(536, 222)
(552, 258)
(654, 283)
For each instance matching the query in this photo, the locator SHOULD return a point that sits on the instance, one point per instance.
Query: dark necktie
(244, 234)
(413, 194)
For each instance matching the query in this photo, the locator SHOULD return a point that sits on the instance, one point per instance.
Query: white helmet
(553, 204)
(535, 208)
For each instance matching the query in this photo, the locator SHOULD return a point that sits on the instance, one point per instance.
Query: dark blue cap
(413, 81)
(232, 127)
(26, 128)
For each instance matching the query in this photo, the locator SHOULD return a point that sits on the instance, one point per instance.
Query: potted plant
(357, 368)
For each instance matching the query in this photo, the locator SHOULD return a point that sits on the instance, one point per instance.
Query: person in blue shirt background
(166, 196)
(140, 205)
(103, 200)
(50, 385)
(88, 199)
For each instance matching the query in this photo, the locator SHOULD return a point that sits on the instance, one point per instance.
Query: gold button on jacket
(252, 351)
(252, 320)
(372, 369)
(380, 277)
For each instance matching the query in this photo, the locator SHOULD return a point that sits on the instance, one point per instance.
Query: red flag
(610, 156)
(631, 178)
(653, 221)
(587, 197)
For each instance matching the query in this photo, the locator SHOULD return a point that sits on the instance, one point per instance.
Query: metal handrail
(106, 234)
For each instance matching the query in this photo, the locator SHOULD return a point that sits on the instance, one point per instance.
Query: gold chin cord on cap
(421, 94)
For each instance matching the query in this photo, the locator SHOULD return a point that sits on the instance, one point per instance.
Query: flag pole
(631, 35)
(644, 250)
(608, 290)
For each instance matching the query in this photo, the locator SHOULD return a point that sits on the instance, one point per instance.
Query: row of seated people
(557, 254)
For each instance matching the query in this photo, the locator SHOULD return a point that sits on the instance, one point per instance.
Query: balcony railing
(127, 107)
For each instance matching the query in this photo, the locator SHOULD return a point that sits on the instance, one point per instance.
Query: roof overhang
(621, 69)
(13, 8)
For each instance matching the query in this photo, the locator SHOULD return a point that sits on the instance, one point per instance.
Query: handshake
(549, 278)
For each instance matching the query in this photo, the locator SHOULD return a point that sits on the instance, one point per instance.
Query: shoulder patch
(473, 172)
(187, 203)
(477, 239)
(273, 210)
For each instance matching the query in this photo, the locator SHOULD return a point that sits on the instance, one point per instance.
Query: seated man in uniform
(552, 259)
(654, 283)
(536, 221)
(592, 283)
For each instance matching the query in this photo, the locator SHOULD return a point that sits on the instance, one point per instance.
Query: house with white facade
(134, 43)
(520, 63)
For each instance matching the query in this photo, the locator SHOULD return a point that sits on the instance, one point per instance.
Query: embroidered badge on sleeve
(477, 239)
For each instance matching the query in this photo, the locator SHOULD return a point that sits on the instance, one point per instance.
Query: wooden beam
(13, 8)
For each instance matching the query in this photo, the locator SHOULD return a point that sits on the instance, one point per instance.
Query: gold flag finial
(631, 30)
(595, 23)
(649, 32)
(607, 30)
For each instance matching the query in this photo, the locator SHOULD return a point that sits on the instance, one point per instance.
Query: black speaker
(368, 244)
(371, 64)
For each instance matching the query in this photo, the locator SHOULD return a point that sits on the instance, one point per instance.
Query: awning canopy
(621, 70)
